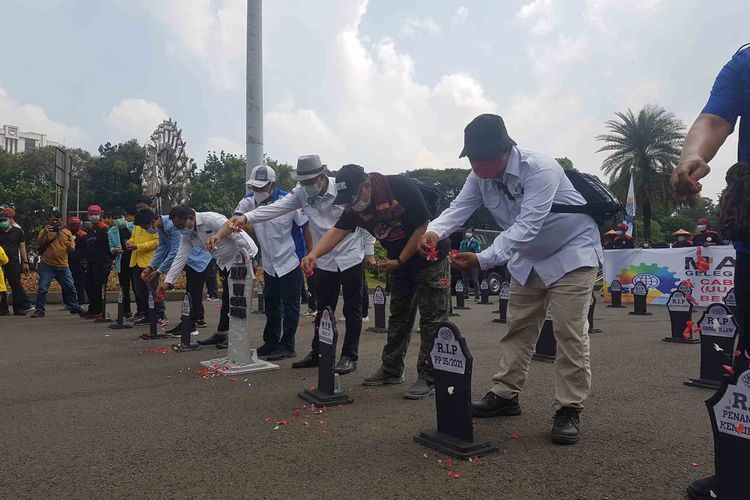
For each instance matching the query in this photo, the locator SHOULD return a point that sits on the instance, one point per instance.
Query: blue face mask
(186, 231)
(152, 230)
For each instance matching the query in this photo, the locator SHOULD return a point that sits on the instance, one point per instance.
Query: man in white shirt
(196, 228)
(281, 265)
(552, 257)
(340, 269)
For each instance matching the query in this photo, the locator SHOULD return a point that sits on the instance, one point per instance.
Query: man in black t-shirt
(12, 238)
(392, 208)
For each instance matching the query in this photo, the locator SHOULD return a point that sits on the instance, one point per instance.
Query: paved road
(86, 413)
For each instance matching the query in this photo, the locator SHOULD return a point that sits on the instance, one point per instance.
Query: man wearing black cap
(393, 209)
(552, 257)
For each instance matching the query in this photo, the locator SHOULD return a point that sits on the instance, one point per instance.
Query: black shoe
(280, 354)
(200, 324)
(75, 311)
(19, 313)
(221, 345)
(308, 361)
(127, 315)
(176, 329)
(702, 489)
(38, 314)
(382, 377)
(142, 321)
(565, 426)
(264, 350)
(345, 365)
(492, 405)
(216, 338)
(4, 313)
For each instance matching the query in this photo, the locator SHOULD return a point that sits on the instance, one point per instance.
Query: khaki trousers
(569, 299)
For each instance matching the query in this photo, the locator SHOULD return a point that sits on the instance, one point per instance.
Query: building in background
(13, 140)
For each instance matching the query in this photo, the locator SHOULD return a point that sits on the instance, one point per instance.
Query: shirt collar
(331, 187)
(514, 163)
(198, 219)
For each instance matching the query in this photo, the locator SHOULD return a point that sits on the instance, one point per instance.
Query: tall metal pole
(78, 196)
(254, 117)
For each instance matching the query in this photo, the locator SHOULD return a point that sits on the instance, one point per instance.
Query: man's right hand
(686, 175)
(237, 223)
(427, 242)
(212, 242)
(146, 274)
(308, 265)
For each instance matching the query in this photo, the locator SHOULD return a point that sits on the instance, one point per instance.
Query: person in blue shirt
(470, 244)
(729, 100)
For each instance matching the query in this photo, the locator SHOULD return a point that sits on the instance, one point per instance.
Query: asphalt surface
(87, 412)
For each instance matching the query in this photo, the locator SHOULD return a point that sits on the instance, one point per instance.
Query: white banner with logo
(662, 269)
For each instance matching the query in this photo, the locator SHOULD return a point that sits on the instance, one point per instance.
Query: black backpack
(734, 204)
(432, 196)
(601, 204)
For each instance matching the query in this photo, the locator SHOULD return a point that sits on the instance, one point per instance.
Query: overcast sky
(386, 83)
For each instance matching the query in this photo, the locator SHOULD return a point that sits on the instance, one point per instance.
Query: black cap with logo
(349, 178)
(486, 136)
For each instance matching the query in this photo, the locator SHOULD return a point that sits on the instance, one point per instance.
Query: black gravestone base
(546, 345)
(679, 340)
(703, 383)
(375, 329)
(454, 447)
(633, 313)
(320, 398)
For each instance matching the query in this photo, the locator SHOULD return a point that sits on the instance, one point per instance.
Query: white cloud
(460, 16)
(133, 118)
(604, 15)
(550, 60)
(33, 118)
(413, 26)
(541, 15)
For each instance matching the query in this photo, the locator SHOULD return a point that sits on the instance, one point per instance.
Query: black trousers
(79, 280)
(281, 296)
(224, 314)
(12, 271)
(328, 284)
(125, 276)
(96, 278)
(210, 278)
(311, 295)
(194, 284)
(742, 296)
(365, 296)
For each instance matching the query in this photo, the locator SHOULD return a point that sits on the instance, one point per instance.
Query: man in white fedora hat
(340, 269)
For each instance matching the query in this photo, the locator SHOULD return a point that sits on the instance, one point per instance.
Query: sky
(384, 83)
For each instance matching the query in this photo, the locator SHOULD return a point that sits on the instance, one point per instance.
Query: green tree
(284, 173)
(219, 185)
(566, 163)
(114, 178)
(705, 208)
(646, 145)
(27, 185)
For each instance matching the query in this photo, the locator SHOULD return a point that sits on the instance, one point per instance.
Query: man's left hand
(370, 261)
(464, 260)
(388, 265)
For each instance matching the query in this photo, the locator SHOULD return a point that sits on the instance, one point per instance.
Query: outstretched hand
(427, 243)
(686, 178)
(463, 260)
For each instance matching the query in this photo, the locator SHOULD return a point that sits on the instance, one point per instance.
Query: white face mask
(469, 235)
(360, 205)
(95, 218)
(261, 196)
(701, 228)
(311, 190)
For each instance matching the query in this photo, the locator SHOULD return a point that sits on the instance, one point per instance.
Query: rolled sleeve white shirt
(323, 215)
(279, 254)
(207, 224)
(552, 244)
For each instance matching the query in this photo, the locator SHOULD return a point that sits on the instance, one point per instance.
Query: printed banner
(662, 269)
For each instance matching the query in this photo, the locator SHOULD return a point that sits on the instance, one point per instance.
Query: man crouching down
(552, 257)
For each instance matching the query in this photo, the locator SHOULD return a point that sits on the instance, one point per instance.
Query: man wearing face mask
(707, 236)
(622, 239)
(470, 244)
(552, 257)
(118, 234)
(13, 241)
(281, 272)
(681, 239)
(196, 229)
(393, 209)
(340, 269)
(76, 261)
(99, 261)
(55, 242)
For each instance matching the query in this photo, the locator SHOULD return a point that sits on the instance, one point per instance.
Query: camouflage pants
(428, 290)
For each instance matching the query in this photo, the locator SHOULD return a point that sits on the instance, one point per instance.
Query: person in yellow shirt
(55, 242)
(3, 290)
(142, 245)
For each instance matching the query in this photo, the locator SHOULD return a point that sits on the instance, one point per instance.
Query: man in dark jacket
(98, 260)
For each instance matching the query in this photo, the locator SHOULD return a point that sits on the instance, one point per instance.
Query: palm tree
(647, 145)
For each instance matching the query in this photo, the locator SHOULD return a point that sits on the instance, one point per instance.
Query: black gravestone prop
(592, 307)
(615, 289)
(120, 323)
(504, 296)
(685, 288)
(326, 393)
(640, 293)
(729, 410)
(452, 368)
(186, 328)
(261, 301)
(153, 332)
(730, 301)
(105, 315)
(484, 291)
(460, 296)
(717, 346)
(451, 313)
(546, 345)
(680, 312)
(378, 298)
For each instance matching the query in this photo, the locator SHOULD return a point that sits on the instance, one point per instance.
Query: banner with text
(663, 269)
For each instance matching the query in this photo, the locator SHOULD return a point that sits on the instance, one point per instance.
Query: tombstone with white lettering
(640, 293)
(452, 368)
(686, 287)
(592, 307)
(460, 296)
(378, 298)
(680, 317)
(717, 330)
(186, 328)
(615, 289)
(504, 296)
(326, 393)
(729, 410)
(484, 292)
(730, 301)
(546, 344)
(120, 323)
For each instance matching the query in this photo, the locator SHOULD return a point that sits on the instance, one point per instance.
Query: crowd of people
(706, 236)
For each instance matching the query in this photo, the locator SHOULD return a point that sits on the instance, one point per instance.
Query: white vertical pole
(254, 117)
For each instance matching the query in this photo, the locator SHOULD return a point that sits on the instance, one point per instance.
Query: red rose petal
(515, 436)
